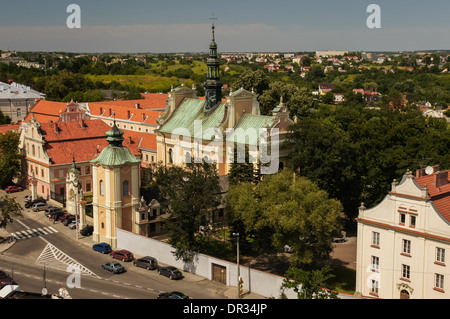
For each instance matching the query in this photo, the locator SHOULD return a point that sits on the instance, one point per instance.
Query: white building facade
(403, 241)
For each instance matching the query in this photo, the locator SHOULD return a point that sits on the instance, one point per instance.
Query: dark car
(13, 189)
(114, 267)
(171, 272)
(69, 219)
(146, 262)
(51, 210)
(123, 255)
(5, 279)
(87, 231)
(58, 216)
(104, 248)
(30, 203)
(172, 295)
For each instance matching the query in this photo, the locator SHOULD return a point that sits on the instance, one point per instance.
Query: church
(213, 128)
(190, 128)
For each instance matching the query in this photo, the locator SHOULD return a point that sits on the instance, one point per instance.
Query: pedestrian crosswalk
(36, 232)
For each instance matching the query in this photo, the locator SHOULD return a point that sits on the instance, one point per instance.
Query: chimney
(82, 123)
(441, 179)
(143, 117)
(129, 139)
(138, 105)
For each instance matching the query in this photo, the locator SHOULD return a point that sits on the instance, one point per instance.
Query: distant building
(404, 241)
(324, 88)
(16, 99)
(330, 53)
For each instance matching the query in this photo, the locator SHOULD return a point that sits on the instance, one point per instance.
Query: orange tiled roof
(440, 194)
(45, 111)
(151, 101)
(7, 127)
(124, 113)
(68, 140)
(146, 140)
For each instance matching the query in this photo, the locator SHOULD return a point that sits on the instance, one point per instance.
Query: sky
(165, 26)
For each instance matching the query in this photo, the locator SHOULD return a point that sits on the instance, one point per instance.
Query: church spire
(213, 85)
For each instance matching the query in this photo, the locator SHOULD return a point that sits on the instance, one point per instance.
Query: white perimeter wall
(259, 282)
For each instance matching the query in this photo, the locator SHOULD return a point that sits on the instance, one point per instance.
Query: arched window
(19, 113)
(170, 156)
(102, 188)
(125, 188)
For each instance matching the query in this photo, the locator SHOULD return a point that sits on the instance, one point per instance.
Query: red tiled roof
(150, 101)
(146, 140)
(68, 140)
(439, 192)
(7, 127)
(44, 111)
(124, 113)
(74, 130)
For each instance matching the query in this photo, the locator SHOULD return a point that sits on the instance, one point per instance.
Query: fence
(260, 282)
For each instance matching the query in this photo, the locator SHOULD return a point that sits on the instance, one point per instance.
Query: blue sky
(245, 25)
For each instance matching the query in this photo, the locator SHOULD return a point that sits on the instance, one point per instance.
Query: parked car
(146, 262)
(66, 216)
(172, 295)
(51, 210)
(73, 224)
(104, 248)
(30, 203)
(13, 189)
(67, 221)
(171, 272)
(57, 216)
(39, 206)
(87, 231)
(5, 279)
(123, 255)
(115, 267)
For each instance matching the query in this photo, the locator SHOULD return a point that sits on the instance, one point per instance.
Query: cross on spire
(213, 27)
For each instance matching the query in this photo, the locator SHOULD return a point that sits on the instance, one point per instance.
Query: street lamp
(238, 270)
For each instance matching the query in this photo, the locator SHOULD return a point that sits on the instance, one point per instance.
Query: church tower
(213, 85)
(115, 179)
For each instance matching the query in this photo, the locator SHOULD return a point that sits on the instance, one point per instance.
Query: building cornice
(403, 230)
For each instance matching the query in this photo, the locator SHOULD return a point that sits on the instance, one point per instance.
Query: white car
(73, 224)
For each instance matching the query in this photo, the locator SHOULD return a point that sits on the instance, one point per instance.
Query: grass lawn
(151, 83)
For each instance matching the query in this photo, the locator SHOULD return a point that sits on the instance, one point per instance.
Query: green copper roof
(248, 127)
(183, 120)
(115, 154)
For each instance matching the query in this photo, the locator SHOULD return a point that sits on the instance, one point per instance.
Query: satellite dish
(428, 170)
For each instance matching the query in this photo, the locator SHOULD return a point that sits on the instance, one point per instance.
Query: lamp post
(238, 268)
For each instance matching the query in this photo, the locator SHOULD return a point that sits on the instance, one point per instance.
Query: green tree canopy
(188, 195)
(286, 210)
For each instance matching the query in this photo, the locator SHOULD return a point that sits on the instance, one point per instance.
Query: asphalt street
(43, 247)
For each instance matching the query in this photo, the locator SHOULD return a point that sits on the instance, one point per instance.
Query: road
(43, 245)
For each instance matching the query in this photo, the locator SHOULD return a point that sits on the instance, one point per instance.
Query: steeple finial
(213, 27)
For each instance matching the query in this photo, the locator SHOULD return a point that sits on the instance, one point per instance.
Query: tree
(188, 195)
(10, 159)
(242, 169)
(284, 209)
(9, 209)
(313, 284)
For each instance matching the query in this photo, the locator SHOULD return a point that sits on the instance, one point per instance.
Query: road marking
(36, 232)
(55, 258)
